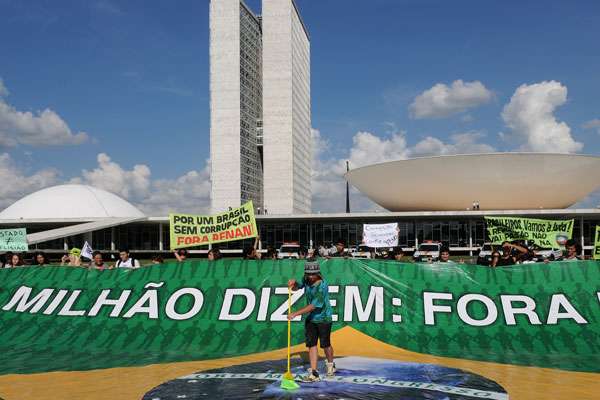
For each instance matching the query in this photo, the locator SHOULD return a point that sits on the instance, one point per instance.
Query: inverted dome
(70, 202)
(498, 181)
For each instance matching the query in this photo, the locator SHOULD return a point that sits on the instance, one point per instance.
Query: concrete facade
(286, 109)
(497, 181)
(235, 105)
(260, 128)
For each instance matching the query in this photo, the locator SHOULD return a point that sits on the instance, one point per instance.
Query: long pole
(289, 331)
(347, 190)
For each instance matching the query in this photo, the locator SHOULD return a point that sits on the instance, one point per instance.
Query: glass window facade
(452, 232)
(137, 236)
(250, 107)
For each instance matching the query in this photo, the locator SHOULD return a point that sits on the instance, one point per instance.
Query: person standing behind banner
(15, 261)
(445, 256)
(214, 254)
(495, 259)
(318, 320)
(252, 253)
(181, 255)
(157, 259)
(40, 259)
(340, 250)
(6, 259)
(98, 261)
(397, 254)
(573, 250)
(73, 259)
(510, 254)
(125, 261)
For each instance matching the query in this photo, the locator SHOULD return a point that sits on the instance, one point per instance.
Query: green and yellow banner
(548, 234)
(65, 318)
(195, 230)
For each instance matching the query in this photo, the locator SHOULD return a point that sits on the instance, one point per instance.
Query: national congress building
(260, 107)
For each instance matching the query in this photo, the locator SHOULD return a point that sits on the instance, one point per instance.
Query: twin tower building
(260, 117)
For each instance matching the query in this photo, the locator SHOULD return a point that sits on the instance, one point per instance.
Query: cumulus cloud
(16, 183)
(530, 116)
(329, 185)
(368, 148)
(442, 100)
(41, 128)
(460, 143)
(109, 175)
(3, 90)
(187, 193)
(593, 124)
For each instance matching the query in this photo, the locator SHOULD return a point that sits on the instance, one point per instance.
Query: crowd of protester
(98, 260)
(509, 253)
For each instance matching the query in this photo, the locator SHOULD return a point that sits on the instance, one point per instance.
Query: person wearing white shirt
(125, 261)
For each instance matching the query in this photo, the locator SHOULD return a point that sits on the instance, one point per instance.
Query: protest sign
(380, 235)
(195, 230)
(548, 234)
(13, 240)
(597, 244)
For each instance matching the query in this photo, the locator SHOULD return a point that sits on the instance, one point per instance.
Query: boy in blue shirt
(318, 320)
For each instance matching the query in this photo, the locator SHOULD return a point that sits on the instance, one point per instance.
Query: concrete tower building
(235, 105)
(286, 109)
(260, 107)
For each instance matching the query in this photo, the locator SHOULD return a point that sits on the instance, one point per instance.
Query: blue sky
(133, 76)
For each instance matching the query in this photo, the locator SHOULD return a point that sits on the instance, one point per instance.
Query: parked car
(289, 250)
(550, 254)
(428, 250)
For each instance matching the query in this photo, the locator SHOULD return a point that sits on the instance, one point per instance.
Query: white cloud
(529, 115)
(328, 183)
(442, 100)
(16, 183)
(368, 148)
(461, 143)
(109, 175)
(593, 124)
(42, 128)
(188, 193)
(3, 90)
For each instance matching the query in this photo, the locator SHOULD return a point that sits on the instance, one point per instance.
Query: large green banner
(65, 318)
(546, 233)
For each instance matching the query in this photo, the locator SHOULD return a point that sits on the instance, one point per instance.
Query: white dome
(70, 202)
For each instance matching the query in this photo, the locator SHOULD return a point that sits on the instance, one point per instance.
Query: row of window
(453, 233)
